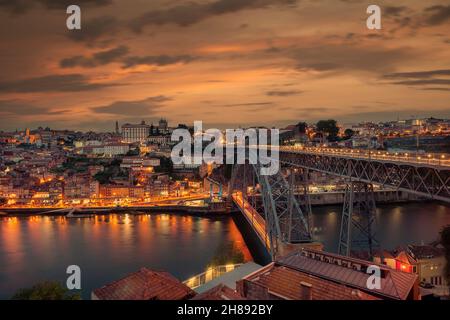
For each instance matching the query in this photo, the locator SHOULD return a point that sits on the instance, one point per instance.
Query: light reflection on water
(396, 225)
(106, 248)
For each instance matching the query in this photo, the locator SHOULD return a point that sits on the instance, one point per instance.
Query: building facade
(135, 132)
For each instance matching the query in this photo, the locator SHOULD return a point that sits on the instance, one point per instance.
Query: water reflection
(396, 225)
(108, 247)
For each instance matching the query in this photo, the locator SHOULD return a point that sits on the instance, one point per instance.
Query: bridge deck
(428, 160)
(253, 217)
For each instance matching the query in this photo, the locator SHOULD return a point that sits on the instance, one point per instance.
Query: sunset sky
(228, 63)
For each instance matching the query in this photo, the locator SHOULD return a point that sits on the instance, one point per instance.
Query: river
(37, 248)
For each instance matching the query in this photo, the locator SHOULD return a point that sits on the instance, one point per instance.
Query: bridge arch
(285, 223)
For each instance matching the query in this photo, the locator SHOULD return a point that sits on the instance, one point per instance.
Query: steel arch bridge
(282, 218)
(270, 207)
(427, 179)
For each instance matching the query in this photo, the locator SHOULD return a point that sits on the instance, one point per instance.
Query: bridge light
(442, 157)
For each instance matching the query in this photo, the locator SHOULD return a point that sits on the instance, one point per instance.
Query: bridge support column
(358, 219)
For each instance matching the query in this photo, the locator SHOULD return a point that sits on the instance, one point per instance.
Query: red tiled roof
(219, 292)
(351, 272)
(426, 251)
(405, 258)
(145, 284)
(285, 283)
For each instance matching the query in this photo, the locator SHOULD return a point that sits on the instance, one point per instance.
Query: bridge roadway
(423, 175)
(427, 159)
(252, 216)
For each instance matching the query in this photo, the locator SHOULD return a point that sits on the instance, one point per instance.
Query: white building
(115, 149)
(135, 132)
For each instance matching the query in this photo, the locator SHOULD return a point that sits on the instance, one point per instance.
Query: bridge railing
(429, 159)
(210, 274)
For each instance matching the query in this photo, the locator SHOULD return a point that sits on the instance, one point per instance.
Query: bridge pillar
(358, 219)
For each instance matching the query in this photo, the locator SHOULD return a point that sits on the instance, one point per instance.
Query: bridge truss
(285, 221)
(287, 211)
(358, 218)
(432, 182)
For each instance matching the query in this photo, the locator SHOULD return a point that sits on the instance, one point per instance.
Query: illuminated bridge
(278, 207)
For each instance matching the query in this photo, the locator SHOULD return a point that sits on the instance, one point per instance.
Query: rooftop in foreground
(315, 275)
(144, 284)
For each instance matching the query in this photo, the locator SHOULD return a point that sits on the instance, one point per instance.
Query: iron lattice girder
(358, 218)
(284, 218)
(427, 181)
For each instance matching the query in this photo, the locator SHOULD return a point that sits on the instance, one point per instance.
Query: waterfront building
(135, 132)
(427, 261)
(317, 275)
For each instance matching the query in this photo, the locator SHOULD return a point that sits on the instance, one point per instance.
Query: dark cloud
(119, 55)
(437, 15)
(394, 11)
(97, 59)
(424, 82)
(22, 6)
(349, 58)
(161, 60)
(53, 83)
(95, 29)
(133, 108)
(421, 78)
(249, 104)
(436, 89)
(18, 107)
(284, 93)
(191, 13)
(418, 74)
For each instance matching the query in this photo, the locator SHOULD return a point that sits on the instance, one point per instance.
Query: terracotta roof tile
(145, 284)
(286, 282)
(219, 292)
(394, 284)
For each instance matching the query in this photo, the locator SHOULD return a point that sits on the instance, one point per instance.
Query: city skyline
(227, 63)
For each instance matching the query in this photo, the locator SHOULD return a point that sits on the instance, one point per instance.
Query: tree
(301, 127)
(165, 166)
(47, 290)
(348, 133)
(329, 127)
(227, 253)
(445, 241)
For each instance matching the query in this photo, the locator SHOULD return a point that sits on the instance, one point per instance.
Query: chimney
(305, 291)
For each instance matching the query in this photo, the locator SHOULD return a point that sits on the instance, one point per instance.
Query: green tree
(166, 166)
(227, 253)
(301, 127)
(445, 241)
(47, 290)
(328, 127)
(348, 133)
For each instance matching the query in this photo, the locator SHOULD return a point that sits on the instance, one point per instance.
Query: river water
(106, 248)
